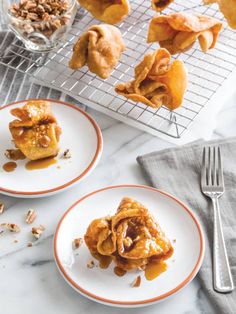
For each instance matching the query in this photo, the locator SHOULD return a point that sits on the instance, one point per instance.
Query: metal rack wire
(207, 72)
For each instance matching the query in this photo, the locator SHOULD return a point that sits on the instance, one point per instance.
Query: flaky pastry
(160, 5)
(228, 9)
(100, 47)
(157, 81)
(132, 238)
(35, 131)
(177, 32)
(108, 11)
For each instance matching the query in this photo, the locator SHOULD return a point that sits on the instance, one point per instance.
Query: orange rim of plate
(141, 302)
(85, 172)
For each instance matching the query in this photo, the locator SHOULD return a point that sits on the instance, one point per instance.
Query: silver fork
(212, 184)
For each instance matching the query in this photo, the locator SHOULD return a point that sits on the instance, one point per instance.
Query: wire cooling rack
(206, 72)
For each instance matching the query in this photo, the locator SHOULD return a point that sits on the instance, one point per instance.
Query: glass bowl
(42, 25)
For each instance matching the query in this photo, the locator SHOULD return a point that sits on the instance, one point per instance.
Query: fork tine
(209, 178)
(220, 169)
(203, 171)
(215, 165)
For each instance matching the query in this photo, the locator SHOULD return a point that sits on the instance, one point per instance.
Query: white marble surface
(29, 280)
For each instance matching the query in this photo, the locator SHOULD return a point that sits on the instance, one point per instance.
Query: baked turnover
(131, 238)
(177, 32)
(108, 11)
(35, 131)
(227, 8)
(160, 5)
(157, 81)
(100, 47)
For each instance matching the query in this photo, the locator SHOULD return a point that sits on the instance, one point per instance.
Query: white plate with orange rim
(102, 285)
(80, 134)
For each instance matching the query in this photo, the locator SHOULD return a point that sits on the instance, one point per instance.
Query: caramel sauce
(104, 261)
(154, 269)
(119, 271)
(9, 166)
(40, 164)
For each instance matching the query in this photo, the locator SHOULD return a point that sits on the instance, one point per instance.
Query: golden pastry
(228, 9)
(157, 81)
(160, 5)
(177, 32)
(108, 11)
(100, 47)
(35, 131)
(132, 238)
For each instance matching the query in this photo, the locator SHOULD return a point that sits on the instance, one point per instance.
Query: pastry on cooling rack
(132, 237)
(35, 131)
(228, 9)
(160, 5)
(108, 11)
(177, 32)
(100, 47)
(157, 81)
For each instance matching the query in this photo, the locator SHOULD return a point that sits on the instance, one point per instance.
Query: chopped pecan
(35, 9)
(77, 243)
(11, 227)
(1, 208)
(28, 28)
(30, 217)
(90, 264)
(30, 5)
(136, 283)
(52, 12)
(44, 141)
(32, 16)
(66, 154)
(127, 242)
(37, 231)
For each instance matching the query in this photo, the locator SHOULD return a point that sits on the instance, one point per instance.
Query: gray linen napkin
(177, 171)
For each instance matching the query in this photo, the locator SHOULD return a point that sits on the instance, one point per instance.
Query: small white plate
(103, 286)
(80, 134)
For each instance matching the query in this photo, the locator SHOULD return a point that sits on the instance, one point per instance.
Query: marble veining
(29, 280)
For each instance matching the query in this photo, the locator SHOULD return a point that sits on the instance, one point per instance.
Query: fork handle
(222, 277)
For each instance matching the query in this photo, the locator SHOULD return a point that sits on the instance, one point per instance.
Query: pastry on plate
(111, 12)
(160, 5)
(228, 9)
(35, 131)
(177, 32)
(100, 47)
(132, 237)
(157, 81)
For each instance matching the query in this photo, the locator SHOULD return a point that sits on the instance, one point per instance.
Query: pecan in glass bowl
(41, 25)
